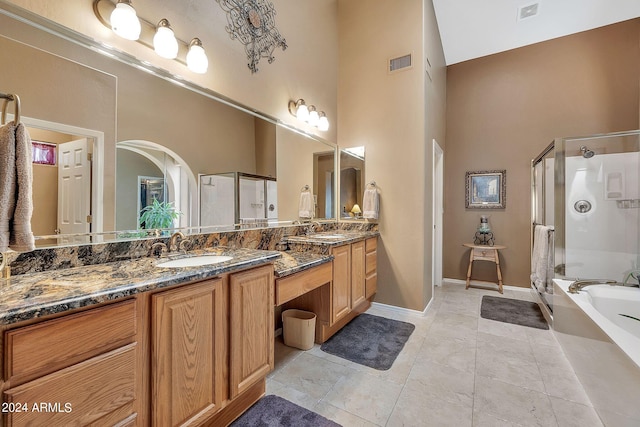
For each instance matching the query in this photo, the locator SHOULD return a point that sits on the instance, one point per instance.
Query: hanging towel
(371, 204)
(7, 181)
(15, 189)
(305, 208)
(540, 257)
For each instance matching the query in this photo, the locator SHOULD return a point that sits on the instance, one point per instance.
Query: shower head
(586, 153)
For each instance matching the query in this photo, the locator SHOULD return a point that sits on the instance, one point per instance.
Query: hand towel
(540, 257)
(7, 181)
(21, 237)
(305, 207)
(371, 204)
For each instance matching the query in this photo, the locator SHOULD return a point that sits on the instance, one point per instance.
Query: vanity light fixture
(323, 122)
(121, 17)
(124, 21)
(164, 41)
(196, 57)
(309, 114)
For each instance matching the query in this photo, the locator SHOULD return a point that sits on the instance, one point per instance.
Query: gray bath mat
(274, 411)
(524, 313)
(370, 340)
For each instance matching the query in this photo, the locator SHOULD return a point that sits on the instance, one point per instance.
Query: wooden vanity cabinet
(341, 295)
(79, 369)
(371, 266)
(187, 351)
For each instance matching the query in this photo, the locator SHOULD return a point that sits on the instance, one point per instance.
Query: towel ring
(16, 111)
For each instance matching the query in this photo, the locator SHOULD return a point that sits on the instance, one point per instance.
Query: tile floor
(457, 369)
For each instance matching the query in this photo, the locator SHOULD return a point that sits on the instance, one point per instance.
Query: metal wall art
(252, 22)
(486, 189)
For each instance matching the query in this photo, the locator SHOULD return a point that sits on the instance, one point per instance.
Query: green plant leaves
(158, 215)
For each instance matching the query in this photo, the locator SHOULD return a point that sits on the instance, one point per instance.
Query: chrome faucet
(579, 284)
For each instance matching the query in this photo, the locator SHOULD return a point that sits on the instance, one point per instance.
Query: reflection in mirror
(193, 128)
(298, 163)
(146, 171)
(351, 182)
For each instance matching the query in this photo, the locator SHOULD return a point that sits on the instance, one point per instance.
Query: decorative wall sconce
(309, 114)
(124, 21)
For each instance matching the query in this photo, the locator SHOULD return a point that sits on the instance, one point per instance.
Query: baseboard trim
(488, 285)
(402, 310)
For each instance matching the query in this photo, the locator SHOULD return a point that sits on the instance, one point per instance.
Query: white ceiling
(475, 28)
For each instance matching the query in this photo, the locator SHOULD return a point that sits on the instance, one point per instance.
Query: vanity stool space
(338, 292)
(484, 253)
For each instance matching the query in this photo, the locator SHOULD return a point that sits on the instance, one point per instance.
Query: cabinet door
(371, 266)
(341, 297)
(251, 324)
(188, 340)
(357, 273)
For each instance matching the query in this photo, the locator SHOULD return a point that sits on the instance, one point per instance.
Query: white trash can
(299, 328)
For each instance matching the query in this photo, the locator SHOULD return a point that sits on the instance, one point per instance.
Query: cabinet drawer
(298, 284)
(371, 244)
(43, 348)
(371, 262)
(80, 394)
(484, 254)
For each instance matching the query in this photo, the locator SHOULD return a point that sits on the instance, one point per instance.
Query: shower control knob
(582, 206)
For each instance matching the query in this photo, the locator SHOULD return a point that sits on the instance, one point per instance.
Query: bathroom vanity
(154, 352)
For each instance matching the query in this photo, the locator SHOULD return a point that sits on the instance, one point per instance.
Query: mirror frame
(41, 23)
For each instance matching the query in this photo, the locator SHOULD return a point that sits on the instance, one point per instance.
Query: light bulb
(323, 122)
(124, 21)
(164, 41)
(302, 113)
(196, 57)
(314, 117)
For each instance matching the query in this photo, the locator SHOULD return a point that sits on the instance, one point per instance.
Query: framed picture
(486, 189)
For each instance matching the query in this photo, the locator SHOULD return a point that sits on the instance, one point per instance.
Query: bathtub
(602, 346)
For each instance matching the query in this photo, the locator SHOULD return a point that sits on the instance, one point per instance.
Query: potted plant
(158, 215)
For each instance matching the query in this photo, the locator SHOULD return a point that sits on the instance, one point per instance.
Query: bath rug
(524, 313)
(274, 411)
(369, 340)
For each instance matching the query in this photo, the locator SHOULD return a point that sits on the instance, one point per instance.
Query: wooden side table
(484, 253)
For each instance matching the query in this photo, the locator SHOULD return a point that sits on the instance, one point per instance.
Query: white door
(438, 211)
(74, 187)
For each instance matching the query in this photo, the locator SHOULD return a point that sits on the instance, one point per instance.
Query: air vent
(528, 11)
(400, 63)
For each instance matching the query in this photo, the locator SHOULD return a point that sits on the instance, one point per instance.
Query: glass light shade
(323, 123)
(125, 22)
(197, 58)
(314, 117)
(165, 43)
(356, 209)
(302, 113)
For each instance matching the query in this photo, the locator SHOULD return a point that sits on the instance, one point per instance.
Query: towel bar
(8, 97)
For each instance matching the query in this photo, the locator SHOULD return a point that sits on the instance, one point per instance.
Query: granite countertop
(322, 242)
(35, 295)
(294, 262)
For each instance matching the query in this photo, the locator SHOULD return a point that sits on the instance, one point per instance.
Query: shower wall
(602, 215)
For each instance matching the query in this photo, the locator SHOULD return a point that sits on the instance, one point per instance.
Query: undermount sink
(328, 236)
(196, 261)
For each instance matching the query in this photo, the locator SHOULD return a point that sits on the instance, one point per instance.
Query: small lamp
(355, 210)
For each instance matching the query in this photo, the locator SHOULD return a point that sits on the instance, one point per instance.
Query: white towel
(540, 257)
(371, 204)
(16, 176)
(305, 207)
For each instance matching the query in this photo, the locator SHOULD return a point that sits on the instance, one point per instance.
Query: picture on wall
(486, 189)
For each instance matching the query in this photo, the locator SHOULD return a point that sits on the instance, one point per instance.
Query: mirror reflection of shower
(586, 153)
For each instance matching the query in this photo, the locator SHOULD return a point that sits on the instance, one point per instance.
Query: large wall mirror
(146, 134)
(352, 183)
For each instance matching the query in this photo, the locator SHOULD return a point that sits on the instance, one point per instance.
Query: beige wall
(386, 113)
(294, 74)
(502, 110)
(265, 148)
